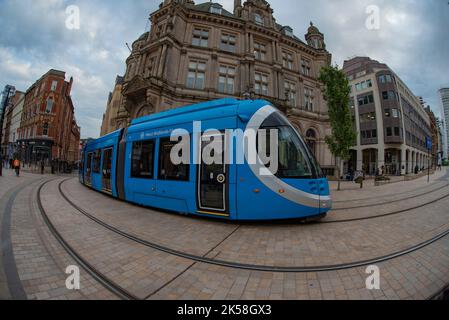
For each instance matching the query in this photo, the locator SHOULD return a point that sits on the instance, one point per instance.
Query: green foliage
(337, 95)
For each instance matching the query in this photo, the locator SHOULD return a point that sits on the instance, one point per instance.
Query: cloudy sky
(412, 38)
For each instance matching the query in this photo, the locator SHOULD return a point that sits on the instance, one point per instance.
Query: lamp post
(2, 119)
(429, 147)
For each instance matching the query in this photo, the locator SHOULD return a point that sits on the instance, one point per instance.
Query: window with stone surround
(54, 85)
(49, 106)
(311, 140)
(305, 67)
(287, 60)
(258, 19)
(290, 90)
(308, 99)
(261, 83)
(196, 75)
(150, 66)
(45, 129)
(260, 51)
(200, 37)
(226, 79)
(228, 42)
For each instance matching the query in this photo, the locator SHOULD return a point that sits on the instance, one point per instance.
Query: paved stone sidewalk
(134, 267)
(9, 186)
(351, 191)
(38, 261)
(147, 273)
(415, 276)
(280, 244)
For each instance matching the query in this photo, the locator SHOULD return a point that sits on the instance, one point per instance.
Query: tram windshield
(295, 159)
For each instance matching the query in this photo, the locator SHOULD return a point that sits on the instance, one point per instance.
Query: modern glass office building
(444, 98)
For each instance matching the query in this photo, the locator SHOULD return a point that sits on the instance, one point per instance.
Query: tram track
(91, 270)
(124, 294)
(383, 215)
(254, 267)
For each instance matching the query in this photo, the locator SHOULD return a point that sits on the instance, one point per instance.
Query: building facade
(5, 105)
(200, 52)
(48, 127)
(112, 113)
(12, 125)
(434, 138)
(444, 99)
(391, 123)
(440, 141)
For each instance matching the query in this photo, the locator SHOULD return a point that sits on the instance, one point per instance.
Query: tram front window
(292, 161)
(295, 161)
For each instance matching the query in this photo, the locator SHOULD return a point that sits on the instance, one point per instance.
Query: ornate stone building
(113, 109)
(199, 52)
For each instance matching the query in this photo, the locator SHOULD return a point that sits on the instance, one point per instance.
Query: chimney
(69, 87)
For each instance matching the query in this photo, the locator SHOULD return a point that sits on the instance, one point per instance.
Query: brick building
(200, 52)
(48, 129)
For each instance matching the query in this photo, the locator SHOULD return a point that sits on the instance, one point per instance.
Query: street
(146, 254)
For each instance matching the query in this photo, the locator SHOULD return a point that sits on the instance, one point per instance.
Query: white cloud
(413, 40)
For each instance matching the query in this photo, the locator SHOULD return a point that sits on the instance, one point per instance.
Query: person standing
(42, 167)
(17, 166)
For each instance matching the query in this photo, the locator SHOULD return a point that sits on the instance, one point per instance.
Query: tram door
(81, 168)
(88, 178)
(213, 179)
(107, 169)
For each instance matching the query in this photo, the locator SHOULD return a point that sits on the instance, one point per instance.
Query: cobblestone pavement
(34, 263)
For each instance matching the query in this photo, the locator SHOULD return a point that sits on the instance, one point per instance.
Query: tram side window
(89, 163)
(97, 162)
(167, 170)
(142, 160)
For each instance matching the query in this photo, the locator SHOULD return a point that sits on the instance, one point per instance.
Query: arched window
(258, 19)
(45, 129)
(311, 140)
(144, 111)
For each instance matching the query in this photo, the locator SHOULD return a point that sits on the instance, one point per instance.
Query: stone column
(381, 156)
(403, 159)
(273, 50)
(251, 43)
(359, 161)
(161, 61)
(213, 74)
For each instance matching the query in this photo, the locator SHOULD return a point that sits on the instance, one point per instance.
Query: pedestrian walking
(42, 167)
(17, 166)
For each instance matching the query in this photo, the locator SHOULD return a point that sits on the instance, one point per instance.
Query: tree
(336, 94)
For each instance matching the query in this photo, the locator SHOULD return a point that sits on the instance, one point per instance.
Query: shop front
(34, 151)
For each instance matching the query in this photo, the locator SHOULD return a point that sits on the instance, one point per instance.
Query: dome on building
(312, 29)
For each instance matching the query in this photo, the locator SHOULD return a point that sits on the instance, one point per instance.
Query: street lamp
(2, 119)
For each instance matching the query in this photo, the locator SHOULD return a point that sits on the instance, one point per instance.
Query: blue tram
(135, 165)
